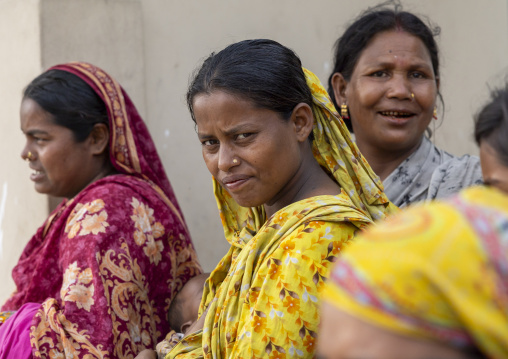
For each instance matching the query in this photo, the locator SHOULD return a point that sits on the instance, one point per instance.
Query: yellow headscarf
(437, 271)
(337, 154)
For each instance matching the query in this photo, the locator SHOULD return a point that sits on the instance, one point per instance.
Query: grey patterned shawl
(431, 173)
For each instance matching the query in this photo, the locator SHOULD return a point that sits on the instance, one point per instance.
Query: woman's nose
(399, 87)
(26, 154)
(227, 158)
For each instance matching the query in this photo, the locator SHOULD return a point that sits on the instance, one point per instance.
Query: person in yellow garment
(431, 282)
(292, 191)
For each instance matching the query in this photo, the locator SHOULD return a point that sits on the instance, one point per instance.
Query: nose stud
(412, 96)
(235, 160)
(28, 156)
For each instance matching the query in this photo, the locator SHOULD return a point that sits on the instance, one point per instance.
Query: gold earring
(344, 112)
(435, 113)
(235, 160)
(28, 156)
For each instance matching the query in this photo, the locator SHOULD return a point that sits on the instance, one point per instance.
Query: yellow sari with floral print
(262, 299)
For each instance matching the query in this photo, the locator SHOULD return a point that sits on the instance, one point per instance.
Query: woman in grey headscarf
(385, 82)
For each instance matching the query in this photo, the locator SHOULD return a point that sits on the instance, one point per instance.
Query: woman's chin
(247, 202)
(402, 142)
(47, 191)
(41, 189)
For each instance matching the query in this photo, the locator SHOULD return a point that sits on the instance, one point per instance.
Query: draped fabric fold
(263, 296)
(106, 264)
(437, 271)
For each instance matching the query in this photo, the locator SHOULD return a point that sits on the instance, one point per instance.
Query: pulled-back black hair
(70, 101)
(261, 71)
(491, 124)
(383, 17)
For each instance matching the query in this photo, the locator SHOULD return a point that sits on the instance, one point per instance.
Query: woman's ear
(303, 121)
(185, 326)
(339, 85)
(99, 138)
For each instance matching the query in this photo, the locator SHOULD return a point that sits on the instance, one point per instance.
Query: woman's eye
(418, 75)
(243, 136)
(209, 142)
(379, 74)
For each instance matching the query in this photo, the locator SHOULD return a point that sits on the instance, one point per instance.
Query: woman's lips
(397, 117)
(234, 182)
(36, 175)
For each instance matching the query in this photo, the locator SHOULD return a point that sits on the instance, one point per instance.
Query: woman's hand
(147, 354)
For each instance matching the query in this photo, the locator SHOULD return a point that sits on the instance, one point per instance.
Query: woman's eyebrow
(204, 136)
(237, 129)
(228, 132)
(34, 132)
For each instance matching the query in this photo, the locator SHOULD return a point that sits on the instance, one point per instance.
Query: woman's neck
(384, 162)
(310, 180)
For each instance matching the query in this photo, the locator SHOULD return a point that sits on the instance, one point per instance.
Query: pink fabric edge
(15, 333)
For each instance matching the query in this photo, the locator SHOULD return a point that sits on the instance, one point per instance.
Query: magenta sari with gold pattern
(106, 264)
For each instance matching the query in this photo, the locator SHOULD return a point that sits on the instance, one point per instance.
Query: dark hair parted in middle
(261, 71)
(373, 21)
(491, 124)
(69, 100)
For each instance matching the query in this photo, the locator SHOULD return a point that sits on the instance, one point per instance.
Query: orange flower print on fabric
(75, 289)
(275, 270)
(87, 218)
(288, 245)
(279, 218)
(259, 324)
(147, 231)
(309, 343)
(315, 224)
(277, 355)
(291, 304)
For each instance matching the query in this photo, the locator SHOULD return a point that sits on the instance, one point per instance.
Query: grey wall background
(152, 47)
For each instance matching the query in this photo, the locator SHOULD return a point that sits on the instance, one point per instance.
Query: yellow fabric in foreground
(264, 293)
(436, 271)
(262, 298)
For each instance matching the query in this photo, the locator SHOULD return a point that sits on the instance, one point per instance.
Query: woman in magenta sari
(97, 278)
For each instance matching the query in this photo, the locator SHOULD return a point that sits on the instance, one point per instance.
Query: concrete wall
(152, 47)
(22, 210)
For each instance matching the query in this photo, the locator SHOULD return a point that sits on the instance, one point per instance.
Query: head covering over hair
(133, 155)
(437, 271)
(337, 154)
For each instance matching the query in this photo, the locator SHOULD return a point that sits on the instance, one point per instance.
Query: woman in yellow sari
(292, 190)
(431, 282)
